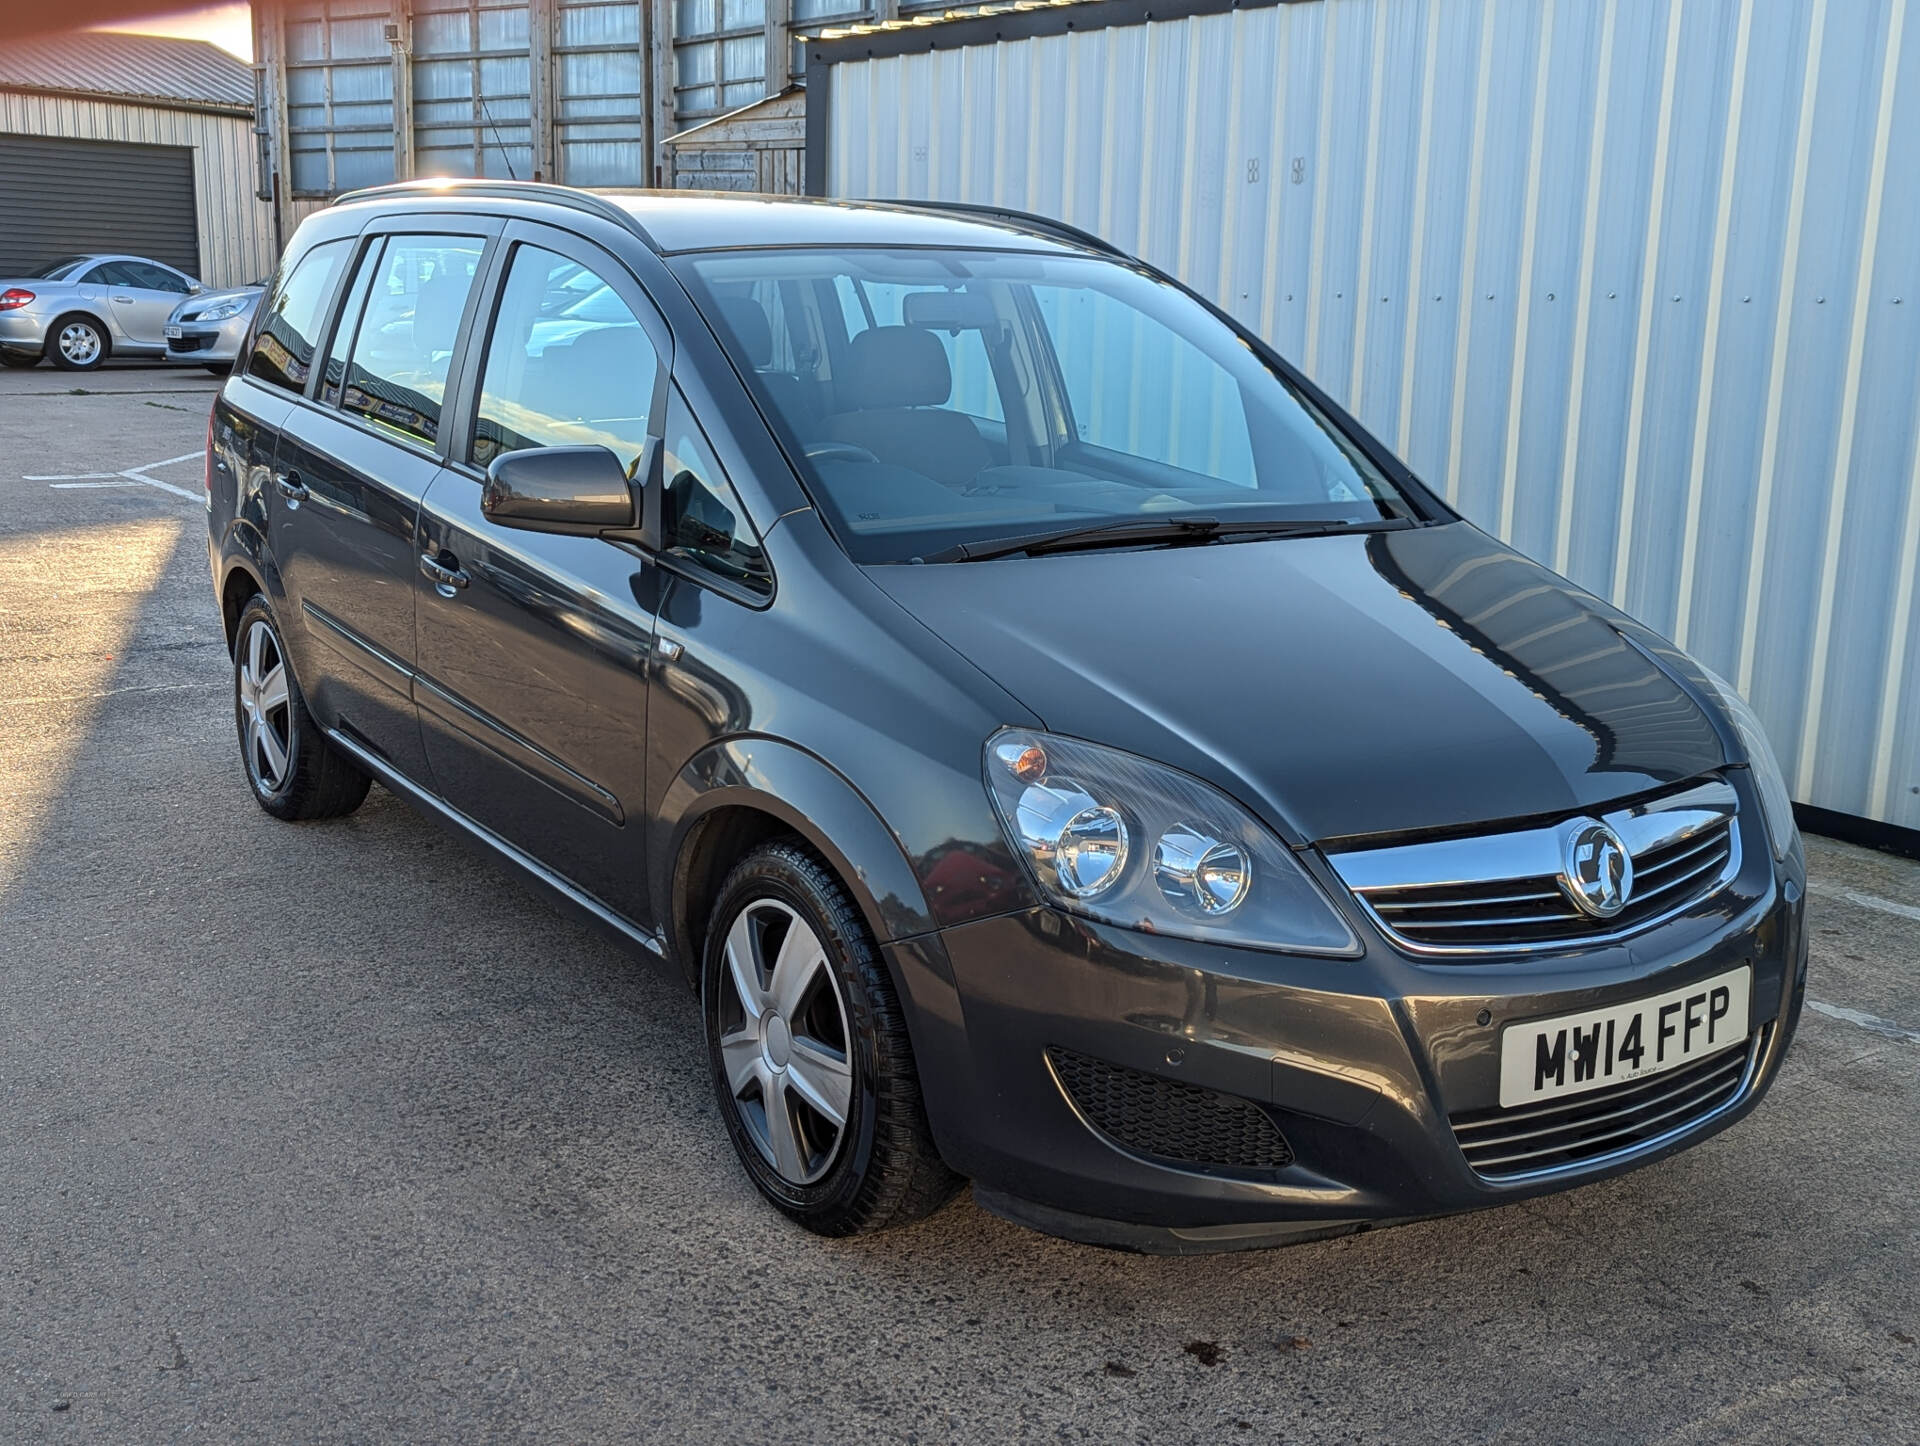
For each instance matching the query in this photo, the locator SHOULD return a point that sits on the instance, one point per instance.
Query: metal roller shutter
(65, 196)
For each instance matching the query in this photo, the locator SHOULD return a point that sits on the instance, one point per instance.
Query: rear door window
(397, 375)
(283, 352)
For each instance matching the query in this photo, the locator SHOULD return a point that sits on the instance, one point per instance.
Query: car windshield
(59, 270)
(940, 400)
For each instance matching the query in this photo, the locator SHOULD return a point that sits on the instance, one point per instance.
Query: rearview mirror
(947, 310)
(576, 491)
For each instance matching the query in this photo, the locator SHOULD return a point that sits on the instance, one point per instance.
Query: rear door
(534, 657)
(355, 458)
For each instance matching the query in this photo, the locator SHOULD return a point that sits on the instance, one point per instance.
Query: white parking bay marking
(131, 474)
(1866, 901)
(1864, 1020)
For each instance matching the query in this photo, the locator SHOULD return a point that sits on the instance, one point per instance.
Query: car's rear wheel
(220, 369)
(809, 1051)
(77, 343)
(19, 359)
(294, 771)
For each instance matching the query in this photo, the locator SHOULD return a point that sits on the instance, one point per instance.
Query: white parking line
(131, 474)
(1867, 1021)
(1866, 901)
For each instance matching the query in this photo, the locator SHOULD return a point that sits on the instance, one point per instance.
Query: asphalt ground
(337, 1132)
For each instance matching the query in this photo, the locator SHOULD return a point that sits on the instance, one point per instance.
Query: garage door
(67, 196)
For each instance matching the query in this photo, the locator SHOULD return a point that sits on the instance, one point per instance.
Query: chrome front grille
(1499, 893)
(1589, 1129)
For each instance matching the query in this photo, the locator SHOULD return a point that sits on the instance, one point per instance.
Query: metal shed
(130, 143)
(1635, 283)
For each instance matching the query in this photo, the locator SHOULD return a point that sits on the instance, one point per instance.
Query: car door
(356, 457)
(535, 649)
(153, 292)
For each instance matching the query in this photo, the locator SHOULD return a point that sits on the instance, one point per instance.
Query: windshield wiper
(1164, 531)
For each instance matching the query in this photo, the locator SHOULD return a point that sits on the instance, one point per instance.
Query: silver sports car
(207, 329)
(79, 310)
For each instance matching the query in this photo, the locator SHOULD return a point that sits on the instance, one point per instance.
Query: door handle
(123, 301)
(446, 580)
(291, 487)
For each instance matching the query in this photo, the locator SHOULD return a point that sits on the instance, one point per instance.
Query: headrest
(896, 366)
(436, 310)
(751, 329)
(612, 347)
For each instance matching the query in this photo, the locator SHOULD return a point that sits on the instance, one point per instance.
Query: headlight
(223, 312)
(1775, 802)
(1117, 838)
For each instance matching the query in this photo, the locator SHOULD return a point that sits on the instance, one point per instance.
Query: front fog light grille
(1168, 1120)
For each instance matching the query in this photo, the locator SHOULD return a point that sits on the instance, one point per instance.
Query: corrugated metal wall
(236, 228)
(1636, 283)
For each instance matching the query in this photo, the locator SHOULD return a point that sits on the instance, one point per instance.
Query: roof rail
(1027, 220)
(507, 191)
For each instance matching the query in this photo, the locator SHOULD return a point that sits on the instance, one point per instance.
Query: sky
(224, 22)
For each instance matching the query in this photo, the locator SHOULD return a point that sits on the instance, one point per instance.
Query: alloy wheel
(784, 1041)
(79, 343)
(266, 728)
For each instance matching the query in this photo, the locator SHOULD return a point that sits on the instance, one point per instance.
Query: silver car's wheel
(784, 1041)
(77, 344)
(266, 724)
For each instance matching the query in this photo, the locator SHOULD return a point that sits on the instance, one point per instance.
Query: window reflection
(397, 378)
(568, 365)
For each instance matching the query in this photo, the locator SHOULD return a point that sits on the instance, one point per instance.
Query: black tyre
(78, 343)
(220, 369)
(294, 772)
(19, 359)
(811, 1062)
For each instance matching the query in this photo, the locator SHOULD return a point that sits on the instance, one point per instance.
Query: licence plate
(173, 333)
(1574, 1053)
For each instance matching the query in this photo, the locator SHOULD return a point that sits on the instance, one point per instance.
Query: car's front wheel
(78, 344)
(294, 771)
(809, 1051)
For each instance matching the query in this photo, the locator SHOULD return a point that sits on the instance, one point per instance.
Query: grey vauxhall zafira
(1061, 747)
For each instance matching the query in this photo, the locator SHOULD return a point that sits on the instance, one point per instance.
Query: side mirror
(576, 491)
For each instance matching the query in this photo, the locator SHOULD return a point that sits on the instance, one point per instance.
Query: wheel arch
(239, 586)
(87, 313)
(736, 794)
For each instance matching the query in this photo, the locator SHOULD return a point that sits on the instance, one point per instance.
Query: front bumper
(1360, 1063)
(214, 343)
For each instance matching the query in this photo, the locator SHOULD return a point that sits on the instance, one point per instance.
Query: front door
(139, 298)
(355, 459)
(534, 650)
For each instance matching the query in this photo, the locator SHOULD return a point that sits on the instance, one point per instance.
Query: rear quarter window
(283, 351)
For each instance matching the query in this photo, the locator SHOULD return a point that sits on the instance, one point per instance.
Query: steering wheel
(838, 452)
